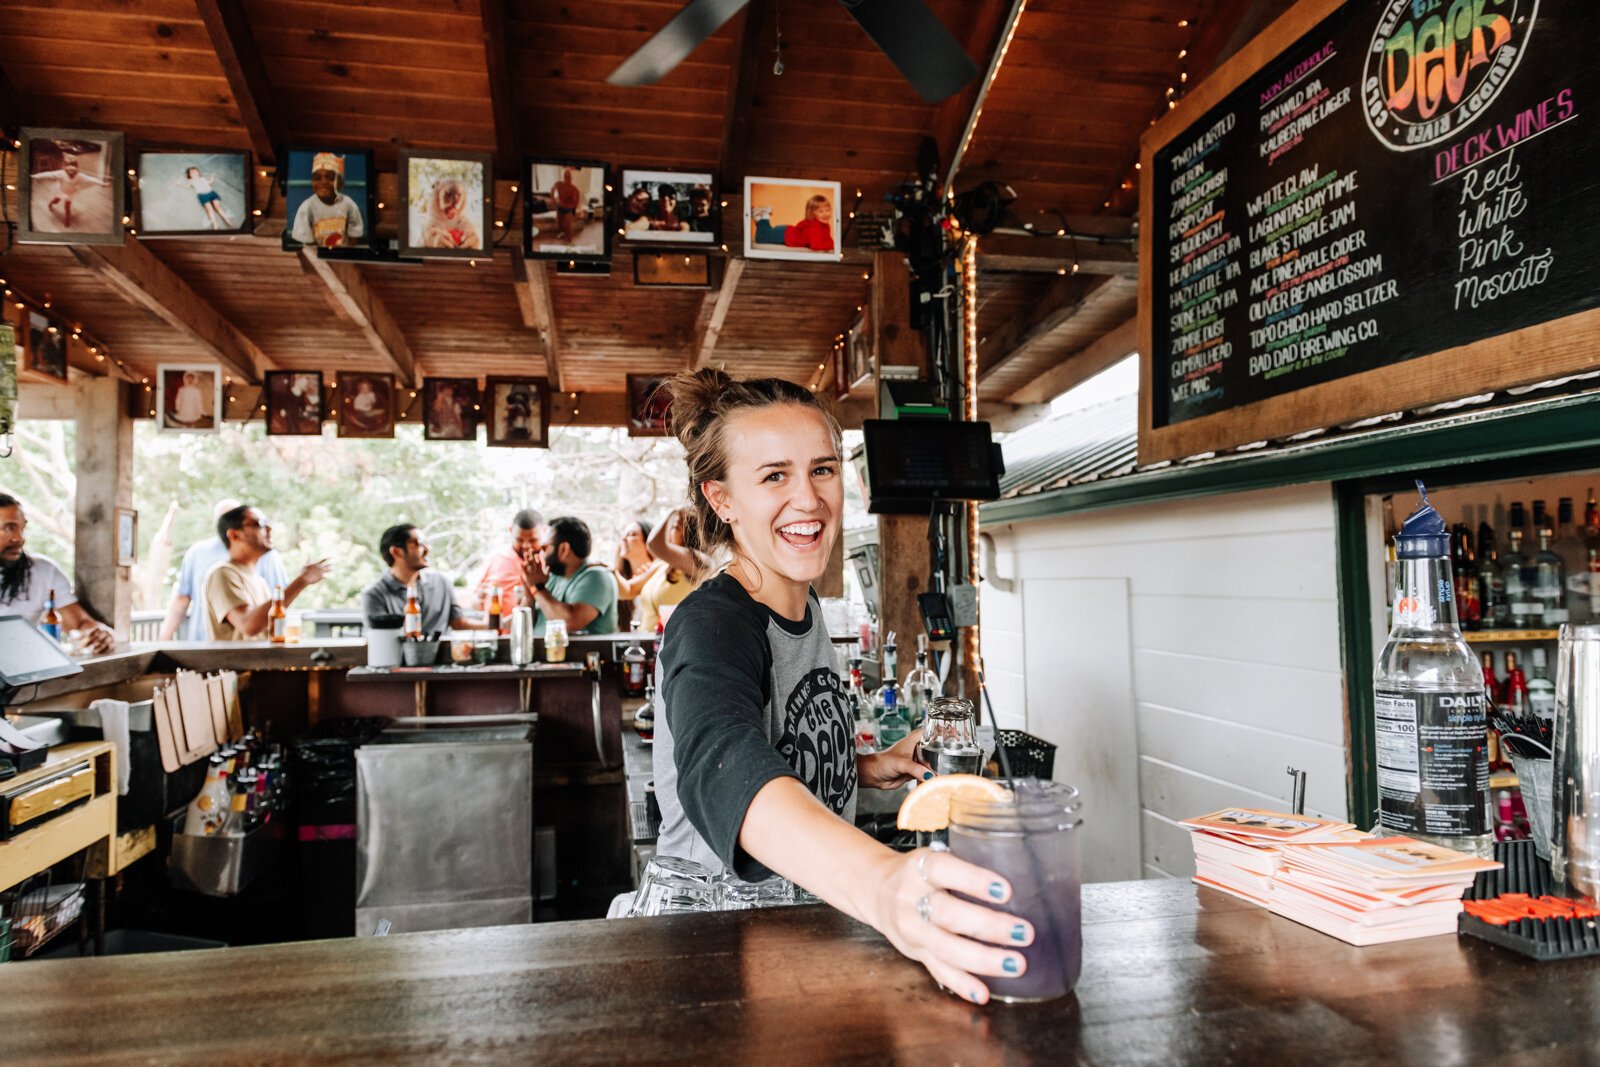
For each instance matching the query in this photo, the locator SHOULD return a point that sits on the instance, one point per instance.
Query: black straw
(999, 749)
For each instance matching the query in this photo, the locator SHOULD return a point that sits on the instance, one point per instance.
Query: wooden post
(902, 539)
(104, 483)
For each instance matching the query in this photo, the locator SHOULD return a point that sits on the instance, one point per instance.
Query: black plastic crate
(1029, 756)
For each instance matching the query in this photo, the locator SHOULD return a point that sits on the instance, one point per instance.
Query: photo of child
(667, 207)
(47, 347)
(189, 398)
(566, 216)
(328, 198)
(192, 192)
(791, 219)
(293, 400)
(366, 404)
(71, 187)
(449, 205)
(450, 409)
(519, 412)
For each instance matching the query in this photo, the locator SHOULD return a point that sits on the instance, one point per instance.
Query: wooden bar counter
(1172, 975)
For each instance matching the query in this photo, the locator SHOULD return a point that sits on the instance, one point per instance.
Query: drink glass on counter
(949, 743)
(555, 641)
(463, 649)
(292, 628)
(1031, 838)
(669, 885)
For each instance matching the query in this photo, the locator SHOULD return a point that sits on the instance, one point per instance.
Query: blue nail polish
(997, 891)
(926, 775)
(1010, 965)
(1019, 933)
(975, 998)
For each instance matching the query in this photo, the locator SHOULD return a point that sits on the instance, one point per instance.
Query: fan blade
(672, 44)
(917, 43)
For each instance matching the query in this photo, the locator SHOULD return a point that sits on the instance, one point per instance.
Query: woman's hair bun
(694, 398)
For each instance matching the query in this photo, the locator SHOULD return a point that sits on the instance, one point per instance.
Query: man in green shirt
(566, 585)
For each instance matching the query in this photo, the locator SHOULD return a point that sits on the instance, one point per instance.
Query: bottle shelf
(1484, 637)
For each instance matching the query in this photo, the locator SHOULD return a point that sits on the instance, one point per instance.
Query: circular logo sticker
(1434, 66)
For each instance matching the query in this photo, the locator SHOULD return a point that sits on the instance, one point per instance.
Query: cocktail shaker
(1575, 837)
(522, 636)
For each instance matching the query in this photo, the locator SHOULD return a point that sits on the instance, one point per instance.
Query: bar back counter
(304, 690)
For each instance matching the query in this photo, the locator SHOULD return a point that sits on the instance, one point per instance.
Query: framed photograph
(671, 270)
(449, 205)
(791, 218)
(127, 537)
(8, 377)
(840, 365)
(46, 347)
(71, 189)
(294, 402)
(858, 346)
(669, 207)
(328, 197)
(188, 397)
(649, 405)
(565, 213)
(191, 193)
(519, 412)
(366, 404)
(450, 409)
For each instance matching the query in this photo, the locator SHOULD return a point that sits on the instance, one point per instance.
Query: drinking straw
(999, 749)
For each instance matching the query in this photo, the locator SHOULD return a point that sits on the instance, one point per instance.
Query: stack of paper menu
(1329, 876)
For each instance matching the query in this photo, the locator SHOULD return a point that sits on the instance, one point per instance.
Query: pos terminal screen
(922, 460)
(28, 656)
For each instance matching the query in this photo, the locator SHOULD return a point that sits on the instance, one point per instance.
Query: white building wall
(1232, 632)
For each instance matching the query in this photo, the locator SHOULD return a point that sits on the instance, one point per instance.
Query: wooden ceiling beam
(235, 45)
(1017, 253)
(532, 283)
(355, 298)
(1110, 348)
(718, 302)
(507, 138)
(135, 274)
(1064, 298)
(992, 22)
(747, 27)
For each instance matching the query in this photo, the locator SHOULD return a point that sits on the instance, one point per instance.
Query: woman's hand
(955, 939)
(894, 766)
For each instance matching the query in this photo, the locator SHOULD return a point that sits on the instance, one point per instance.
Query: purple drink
(1033, 844)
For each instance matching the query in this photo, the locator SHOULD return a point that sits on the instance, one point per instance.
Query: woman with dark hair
(634, 566)
(755, 766)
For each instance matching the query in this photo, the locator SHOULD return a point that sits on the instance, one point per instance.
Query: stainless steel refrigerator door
(445, 835)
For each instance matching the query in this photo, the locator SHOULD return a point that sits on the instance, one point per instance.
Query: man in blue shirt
(566, 585)
(186, 621)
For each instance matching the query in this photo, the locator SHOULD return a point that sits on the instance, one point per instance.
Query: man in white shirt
(27, 581)
(186, 619)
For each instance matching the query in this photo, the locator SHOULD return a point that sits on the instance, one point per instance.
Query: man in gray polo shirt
(406, 552)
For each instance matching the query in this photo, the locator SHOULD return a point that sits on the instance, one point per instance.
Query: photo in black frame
(565, 214)
(329, 197)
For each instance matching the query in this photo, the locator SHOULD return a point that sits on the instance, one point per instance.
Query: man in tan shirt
(237, 600)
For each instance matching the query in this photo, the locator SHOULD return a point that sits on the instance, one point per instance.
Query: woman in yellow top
(679, 569)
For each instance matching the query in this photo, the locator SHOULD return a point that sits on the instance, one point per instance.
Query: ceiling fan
(908, 33)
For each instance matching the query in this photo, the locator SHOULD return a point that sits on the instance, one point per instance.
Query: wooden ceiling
(1060, 125)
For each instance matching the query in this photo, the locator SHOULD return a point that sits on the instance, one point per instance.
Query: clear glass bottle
(1549, 581)
(921, 686)
(1523, 610)
(866, 726)
(1491, 583)
(1431, 721)
(1541, 690)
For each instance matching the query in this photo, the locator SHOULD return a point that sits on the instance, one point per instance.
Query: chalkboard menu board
(1367, 184)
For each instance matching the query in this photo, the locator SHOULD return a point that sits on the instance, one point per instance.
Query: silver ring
(922, 866)
(925, 908)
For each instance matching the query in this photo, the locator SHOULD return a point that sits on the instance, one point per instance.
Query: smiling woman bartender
(754, 764)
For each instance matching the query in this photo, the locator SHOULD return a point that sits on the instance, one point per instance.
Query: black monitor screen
(28, 656)
(923, 460)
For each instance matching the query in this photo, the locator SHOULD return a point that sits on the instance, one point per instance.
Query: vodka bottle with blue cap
(1431, 711)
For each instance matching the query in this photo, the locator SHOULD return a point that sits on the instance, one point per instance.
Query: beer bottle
(50, 621)
(277, 618)
(413, 623)
(494, 609)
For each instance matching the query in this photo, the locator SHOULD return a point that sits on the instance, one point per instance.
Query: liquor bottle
(1431, 721)
(50, 621)
(1541, 518)
(1523, 609)
(1491, 584)
(1516, 702)
(1517, 519)
(211, 805)
(235, 824)
(278, 619)
(1468, 607)
(887, 706)
(494, 610)
(413, 619)
(633, 659)
(1540, 689)
(1591, 518)
(921, 686)
(1594, 584)
(865, 726)
(1491, 684)
(1550, 581)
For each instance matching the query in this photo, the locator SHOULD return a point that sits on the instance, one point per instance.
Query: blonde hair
(815, 202)
(702, 401)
